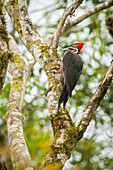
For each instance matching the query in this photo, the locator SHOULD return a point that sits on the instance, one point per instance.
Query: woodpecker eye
(74, 49)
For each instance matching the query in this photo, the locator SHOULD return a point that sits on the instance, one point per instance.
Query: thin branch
(94, 103)
(87, 14)
(68, 11)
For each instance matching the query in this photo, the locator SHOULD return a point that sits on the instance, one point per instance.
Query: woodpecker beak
(64, 49)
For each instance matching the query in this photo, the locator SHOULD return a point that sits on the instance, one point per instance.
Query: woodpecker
(72, 67)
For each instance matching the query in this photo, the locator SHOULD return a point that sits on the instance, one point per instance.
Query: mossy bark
(65, 133)
(4, 51)
(19, 152)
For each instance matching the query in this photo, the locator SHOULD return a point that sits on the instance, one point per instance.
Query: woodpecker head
(74, 48)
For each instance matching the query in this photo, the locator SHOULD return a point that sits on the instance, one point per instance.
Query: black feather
(63, 96)
(72, 67)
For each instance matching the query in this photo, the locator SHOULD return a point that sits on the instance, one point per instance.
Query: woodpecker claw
(65, 110)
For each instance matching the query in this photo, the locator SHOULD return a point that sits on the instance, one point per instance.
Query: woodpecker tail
(65, 101)
(63, 98)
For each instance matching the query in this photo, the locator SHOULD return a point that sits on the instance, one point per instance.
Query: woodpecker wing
(72, 67)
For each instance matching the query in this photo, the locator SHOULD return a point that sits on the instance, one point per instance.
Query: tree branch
(18, 13)
(4, 53)
(94, 103)
(87, 14)
(66, 134)
(54, 61)
(19, 152)
(68, 11)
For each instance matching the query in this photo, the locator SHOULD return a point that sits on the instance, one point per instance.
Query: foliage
(94, 150)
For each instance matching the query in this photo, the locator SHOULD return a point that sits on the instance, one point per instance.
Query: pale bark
(19, 152)
(94, 103)
(68, 11)
(18, 13)
(92, 11)
(65, 133)
(4, 53)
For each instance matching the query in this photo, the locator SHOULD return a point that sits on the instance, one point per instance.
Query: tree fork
(65, 132)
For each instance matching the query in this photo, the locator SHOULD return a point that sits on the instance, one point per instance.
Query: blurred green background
(95, 150)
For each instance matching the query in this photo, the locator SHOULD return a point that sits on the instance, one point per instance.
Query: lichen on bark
(4, 50)
(19, 152)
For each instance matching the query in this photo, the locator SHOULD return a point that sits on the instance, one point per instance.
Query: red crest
(80, 45)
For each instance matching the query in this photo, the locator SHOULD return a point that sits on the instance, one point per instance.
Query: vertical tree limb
(30, 37)
(4, 53)
(19, 152)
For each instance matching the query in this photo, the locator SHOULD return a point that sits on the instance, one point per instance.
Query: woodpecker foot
(65, 110)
